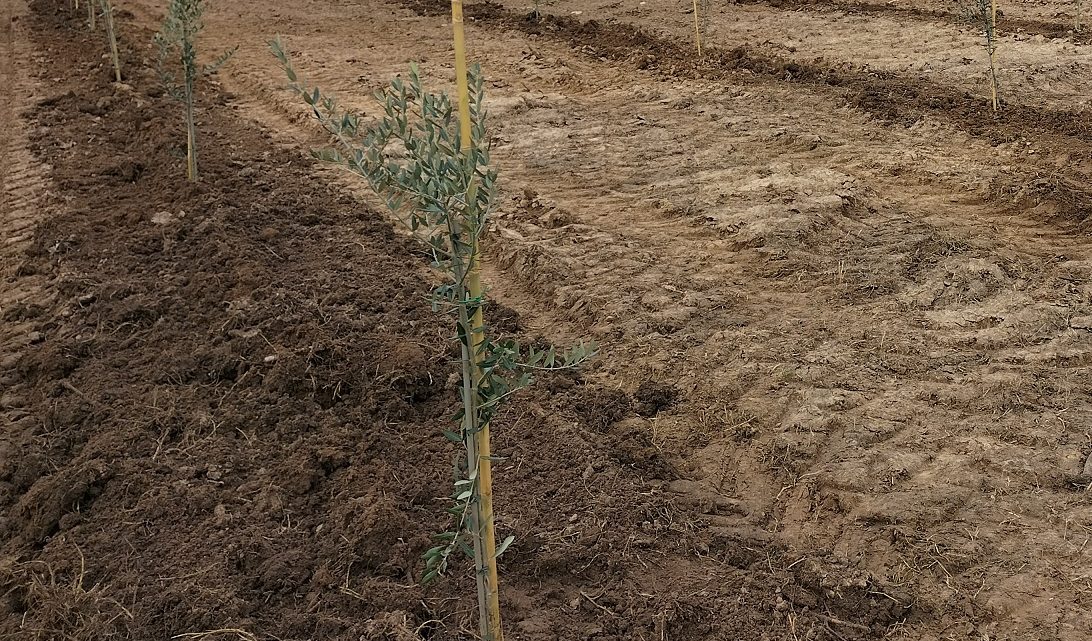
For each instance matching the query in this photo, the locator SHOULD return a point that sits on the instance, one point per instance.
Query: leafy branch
(442, 191)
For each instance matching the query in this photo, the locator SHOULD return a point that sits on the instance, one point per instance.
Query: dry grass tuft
(60, 605)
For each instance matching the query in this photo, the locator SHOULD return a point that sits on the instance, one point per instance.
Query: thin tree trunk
(108, 14)
(471, 431)
(191, 142)
(991, 46)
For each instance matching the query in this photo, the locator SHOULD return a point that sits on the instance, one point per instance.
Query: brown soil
(226, 399)
(875, 331)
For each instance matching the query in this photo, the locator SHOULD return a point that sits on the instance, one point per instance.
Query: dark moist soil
(234, 416)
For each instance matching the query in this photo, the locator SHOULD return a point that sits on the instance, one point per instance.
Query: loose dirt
(231, 398)
(845, 316)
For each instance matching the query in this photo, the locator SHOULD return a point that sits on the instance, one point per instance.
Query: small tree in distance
(111, 36)
(982, 14)
(175, 41)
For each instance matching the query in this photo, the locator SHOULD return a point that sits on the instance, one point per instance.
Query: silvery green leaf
(504, 545)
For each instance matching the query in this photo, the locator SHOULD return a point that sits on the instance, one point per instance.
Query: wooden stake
(91, 13)
(191, 145)
(697, 27)
(993, 81)
(478, 447)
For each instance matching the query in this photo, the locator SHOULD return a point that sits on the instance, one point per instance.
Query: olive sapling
(175, 41)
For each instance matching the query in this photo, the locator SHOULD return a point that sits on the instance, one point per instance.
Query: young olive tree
(536, 9)
(436, 179)
(175, 41)
(982, 14)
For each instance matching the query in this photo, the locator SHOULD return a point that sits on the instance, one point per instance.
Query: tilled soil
(225, 401)
(849, 320)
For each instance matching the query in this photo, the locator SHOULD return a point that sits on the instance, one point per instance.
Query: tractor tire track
(22, 192)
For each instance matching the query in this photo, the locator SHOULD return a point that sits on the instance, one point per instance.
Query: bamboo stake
(478, 447)
(993, 80)
(191, 144)
(91, 13)
(697, 28)
(108, 15)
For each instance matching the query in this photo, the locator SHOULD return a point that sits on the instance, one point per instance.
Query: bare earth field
(845, 315)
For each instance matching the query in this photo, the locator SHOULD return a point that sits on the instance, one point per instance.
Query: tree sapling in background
(176, 43)
(108, 18)
(536, 10)
(697, 25)
(982, 14)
